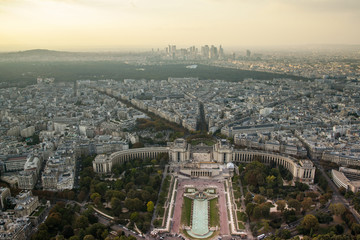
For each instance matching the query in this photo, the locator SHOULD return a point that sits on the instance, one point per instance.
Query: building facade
(181, 153)
(347, 178)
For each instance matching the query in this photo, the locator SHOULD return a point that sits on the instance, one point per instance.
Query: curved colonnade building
(204, 161)
(347, 178)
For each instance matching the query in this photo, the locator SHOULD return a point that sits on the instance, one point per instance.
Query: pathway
(247, 224)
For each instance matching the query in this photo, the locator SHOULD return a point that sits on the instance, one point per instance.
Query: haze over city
(142, 24)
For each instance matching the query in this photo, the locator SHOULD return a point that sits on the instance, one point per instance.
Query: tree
(301, 186)
(300, 196)
(67, 231)
(270, 180)
(116, 205)
(133, 204)
(306, 203)
(250, 208)
(324, 217)
(339, 229)
(349, 194)
(94, 196)
(257, 212)
(41, 235)
(248, 198)
(145, 195)
(312, 194)
(101, 188)
(134, 216)
(337, 208)
(97, 201)
(259, 199)
(138, 145)
(265, 210)
(342, 190)
(53, 222)
(74, 238)
(323, 200)
(283, 234)
(293, 203)
(269, 192)
(355, 228)
(81, 196)
(89, 237)
(289, 216)
(71, 195)
(150, 206)
(81, 222)
(280, 205)
(96, 230)
(309, 223)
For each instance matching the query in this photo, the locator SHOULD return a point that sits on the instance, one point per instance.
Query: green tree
(248, 198)
(101, 188)
(53, 222)
(355, 228)
(150, 206)
(81, 222)
(89, 237)
(293, 203)
(42, 233)
(283, 234)
(289, 215)
(257, 212)
(115, 202)
(97, 201)
(74, 238)
(134, 216)
(269, 192)
(94, 196)
(280, 205)
(250, 208)
(68, 231)
(265, 210)
(337, 208)
(306, 203)
(271, 181)
(259, 199)
(309, 223)
(342, 190)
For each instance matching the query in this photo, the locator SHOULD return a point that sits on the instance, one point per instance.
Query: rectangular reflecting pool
(200, 219)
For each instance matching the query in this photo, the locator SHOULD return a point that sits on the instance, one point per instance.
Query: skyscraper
(248, 53)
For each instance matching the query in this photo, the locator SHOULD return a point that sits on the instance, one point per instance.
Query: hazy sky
(119, 24)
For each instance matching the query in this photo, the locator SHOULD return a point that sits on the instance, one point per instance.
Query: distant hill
(37, 51)
(52, 55)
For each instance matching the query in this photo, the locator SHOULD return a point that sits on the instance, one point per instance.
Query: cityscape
(125, 120)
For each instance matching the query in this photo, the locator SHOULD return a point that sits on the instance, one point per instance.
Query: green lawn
(214, 213)
(241, 216)
(186, 211)
(38, 211)
(241, 225)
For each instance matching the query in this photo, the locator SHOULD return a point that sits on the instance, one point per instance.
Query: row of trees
(353, 197)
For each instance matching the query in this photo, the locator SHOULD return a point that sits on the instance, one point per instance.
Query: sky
(143, 24)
